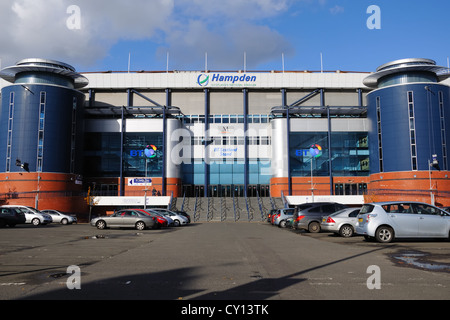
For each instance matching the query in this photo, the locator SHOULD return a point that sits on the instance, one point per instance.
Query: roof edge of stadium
(227, 71)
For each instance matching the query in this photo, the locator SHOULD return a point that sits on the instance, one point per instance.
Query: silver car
(169, 219)
(386, 221)
(342, 222)
(125, 219)
(309, 215)
(32, 215)
(282, 216)
(60, 217)
(178, 220)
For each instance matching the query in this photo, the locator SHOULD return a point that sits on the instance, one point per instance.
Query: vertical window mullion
(412, 130)
(41, 128)
(10, 132)
(74, 132)
(380, 144)
(443, 132)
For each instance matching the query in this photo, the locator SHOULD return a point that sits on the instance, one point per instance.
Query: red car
(161, 221)
(274, 216)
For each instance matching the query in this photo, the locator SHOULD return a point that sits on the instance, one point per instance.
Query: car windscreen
(337, 212)
(304, 206)
(367, 208)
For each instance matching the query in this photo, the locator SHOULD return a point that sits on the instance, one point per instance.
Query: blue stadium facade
(383, 135)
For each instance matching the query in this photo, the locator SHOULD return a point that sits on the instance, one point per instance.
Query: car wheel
(140, 225)
(314, 227)
(176, 223)
(64, 221)
(36, 222)
(282, 224)
(384, 234)
(100, 224)
(346, 231)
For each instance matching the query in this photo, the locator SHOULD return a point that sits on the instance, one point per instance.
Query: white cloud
(186, 28)
(38, 28)
(225, 47)
(225, 30)
(337, 9)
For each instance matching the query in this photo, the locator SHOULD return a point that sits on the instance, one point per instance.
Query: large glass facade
(350, 154)
(142, 154)
(310, 154)
(102, 154)
(227, 172)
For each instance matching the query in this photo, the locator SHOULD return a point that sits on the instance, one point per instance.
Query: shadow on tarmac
(175, 285)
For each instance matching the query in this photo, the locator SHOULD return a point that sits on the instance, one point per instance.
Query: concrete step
(227, 209)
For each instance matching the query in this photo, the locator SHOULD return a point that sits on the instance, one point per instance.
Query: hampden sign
(226, 80)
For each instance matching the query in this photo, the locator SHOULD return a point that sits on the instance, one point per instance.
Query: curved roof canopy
(406, 66)
(42, 65)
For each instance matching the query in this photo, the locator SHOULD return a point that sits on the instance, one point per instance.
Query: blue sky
(185, 29)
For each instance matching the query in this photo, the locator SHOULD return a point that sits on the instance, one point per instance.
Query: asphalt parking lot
(215, 260)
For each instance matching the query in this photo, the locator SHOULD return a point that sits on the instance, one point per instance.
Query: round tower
(409, 132)
(41, 134)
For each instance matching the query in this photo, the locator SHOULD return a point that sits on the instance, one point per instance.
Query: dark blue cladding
(45, 108)
(414, 123)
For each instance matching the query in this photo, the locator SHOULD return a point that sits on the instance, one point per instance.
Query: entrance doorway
(341, 189)
(226, 190)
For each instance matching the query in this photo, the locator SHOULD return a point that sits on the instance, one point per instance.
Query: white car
(342, 222)
(59, 217)
(178, 220)
(386, 221)
(32, 215)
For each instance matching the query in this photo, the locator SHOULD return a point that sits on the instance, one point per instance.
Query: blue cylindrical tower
(41, 127)
(409, 132)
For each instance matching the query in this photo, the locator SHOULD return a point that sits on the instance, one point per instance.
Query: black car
(11, 216)
(308, 216)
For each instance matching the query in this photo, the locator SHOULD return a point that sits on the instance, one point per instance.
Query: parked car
(11, 216)
(270, 214)
(178, 220)
(32, 215)
(125, 219)
(342, 222)
(161, 221)
(60, 217)
(386, 221)
(184, 214)
(274, 215)
(309, 215)
(282, 217)
(169, 220)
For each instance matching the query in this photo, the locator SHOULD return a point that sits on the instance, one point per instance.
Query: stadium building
(65, 135)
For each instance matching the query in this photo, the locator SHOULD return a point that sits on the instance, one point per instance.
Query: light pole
(146, 184)
(431, 186)
(312, 185)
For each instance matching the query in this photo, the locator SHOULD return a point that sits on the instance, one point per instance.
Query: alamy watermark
(374, 280)
(374, 21)
(74, 280)
(73, 22)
